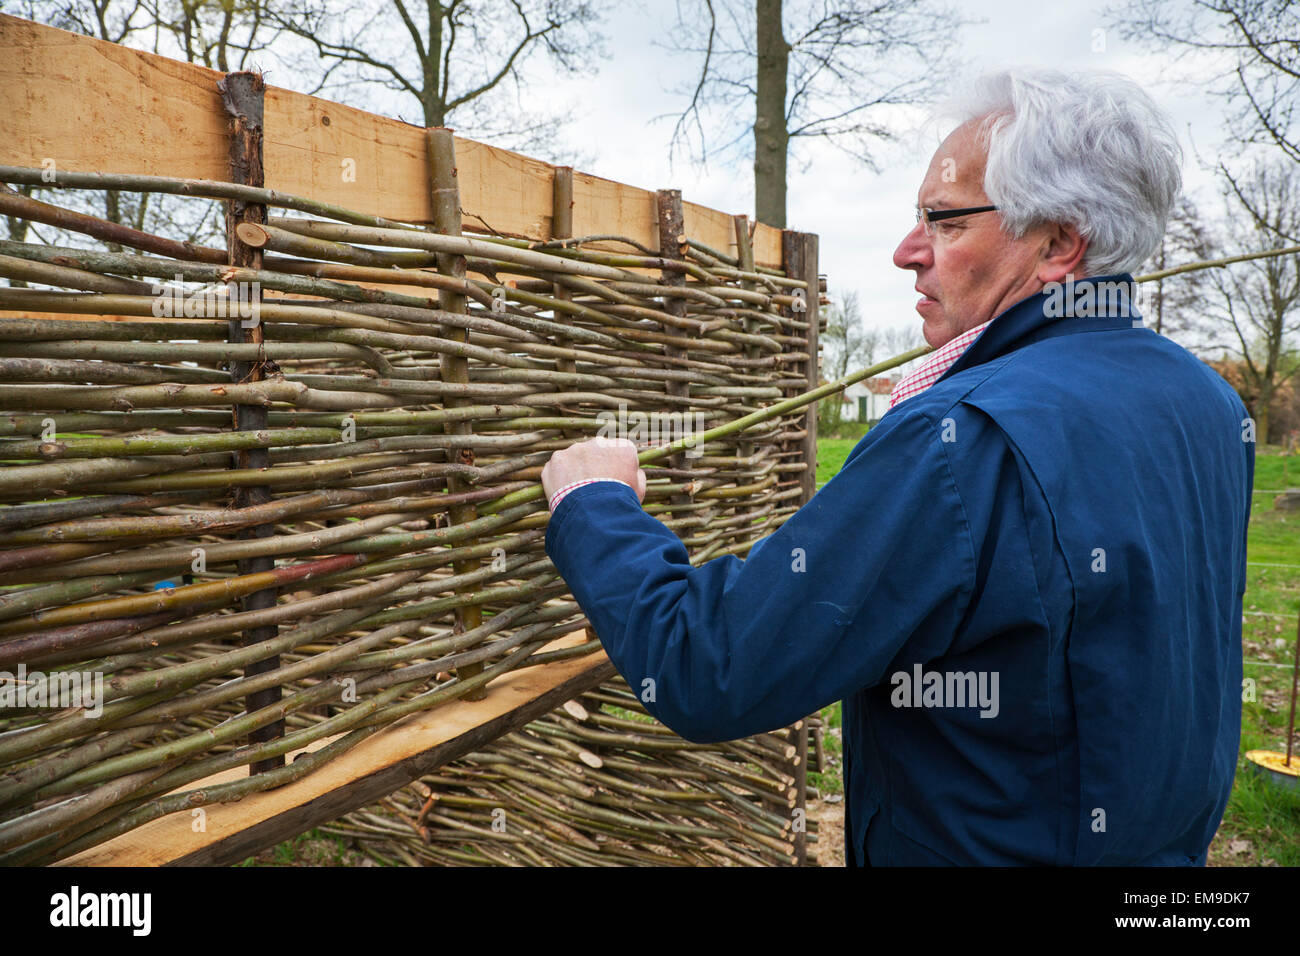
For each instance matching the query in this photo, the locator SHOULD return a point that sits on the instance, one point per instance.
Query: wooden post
(562, 228)
(454, 368)
(799, 261)
(672, 228)
(745, 256)
(792, 266)
(813, 315)
(242, 96)
(800, 773)
(562, 203)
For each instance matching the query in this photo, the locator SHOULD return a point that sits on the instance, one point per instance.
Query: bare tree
(1257, 302)
(847, 342)
(114, 20)
(1172, 305)
(899, 338)
(220, 34)
(803, 70)
(458, 61)
(223, 35)
(848, 345)
(1245, 51)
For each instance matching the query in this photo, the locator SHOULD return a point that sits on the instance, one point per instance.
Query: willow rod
(740, 424)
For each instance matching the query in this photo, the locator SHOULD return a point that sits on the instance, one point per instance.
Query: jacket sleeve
(882, 555)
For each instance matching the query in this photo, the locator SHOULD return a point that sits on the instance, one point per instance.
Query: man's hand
(595, 458)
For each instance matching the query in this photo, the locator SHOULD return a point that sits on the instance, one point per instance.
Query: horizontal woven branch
(403, 441)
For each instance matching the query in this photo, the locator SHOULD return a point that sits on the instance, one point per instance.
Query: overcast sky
(860, 215)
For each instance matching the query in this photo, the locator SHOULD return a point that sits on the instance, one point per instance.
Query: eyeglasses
(928, 217)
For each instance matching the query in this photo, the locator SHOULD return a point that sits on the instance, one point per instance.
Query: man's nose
(915, 250)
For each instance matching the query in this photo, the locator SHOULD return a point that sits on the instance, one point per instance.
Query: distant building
(867, 401)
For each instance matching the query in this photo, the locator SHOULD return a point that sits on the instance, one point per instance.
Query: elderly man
(1026, 582)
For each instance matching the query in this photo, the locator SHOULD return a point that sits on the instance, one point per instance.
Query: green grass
(1262, 822)
(831, 453)
(832, 779)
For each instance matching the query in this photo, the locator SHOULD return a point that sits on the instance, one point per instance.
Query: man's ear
(1064, 253)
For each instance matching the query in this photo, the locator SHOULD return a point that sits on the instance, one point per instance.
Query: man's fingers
(595, 458)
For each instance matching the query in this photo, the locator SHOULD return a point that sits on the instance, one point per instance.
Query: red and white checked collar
(933, 368)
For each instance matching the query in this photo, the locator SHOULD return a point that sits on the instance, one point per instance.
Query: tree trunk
(435, 107)
(771, 137)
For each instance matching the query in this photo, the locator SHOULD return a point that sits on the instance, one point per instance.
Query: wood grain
(392, 758)
(89, 105)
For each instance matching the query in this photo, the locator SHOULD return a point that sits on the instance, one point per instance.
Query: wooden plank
(503, 191)
(598, 202)
(701, 221)
(346, 156)
(809, 262)
(88, 105)
(377, 766)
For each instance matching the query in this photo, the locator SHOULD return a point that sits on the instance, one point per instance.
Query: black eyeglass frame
(928, 216)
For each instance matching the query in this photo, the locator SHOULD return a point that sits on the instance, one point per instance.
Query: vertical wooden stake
(792, 266)
(242, 96)
(800, 772)
(1295, 686)
(813, 315)
(799, 261)
(454, 368)
(672, 229)
(745, 256)
(562, 228)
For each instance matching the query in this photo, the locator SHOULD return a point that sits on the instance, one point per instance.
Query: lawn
(1262, 824)
(831, 453)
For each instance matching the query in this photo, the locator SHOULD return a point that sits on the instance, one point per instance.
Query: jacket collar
(1090, 304)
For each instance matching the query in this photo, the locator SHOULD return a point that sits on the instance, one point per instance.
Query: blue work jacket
(1025, 584)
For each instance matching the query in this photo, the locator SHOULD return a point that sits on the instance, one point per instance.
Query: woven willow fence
(597, 783)
(285, 492)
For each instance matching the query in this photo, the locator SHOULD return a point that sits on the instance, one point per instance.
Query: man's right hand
(594, 459)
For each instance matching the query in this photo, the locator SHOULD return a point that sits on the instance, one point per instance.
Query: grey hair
(1088, 148)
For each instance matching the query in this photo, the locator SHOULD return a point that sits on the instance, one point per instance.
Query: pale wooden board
(171, 838)
(93, 106)
(304, 156)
